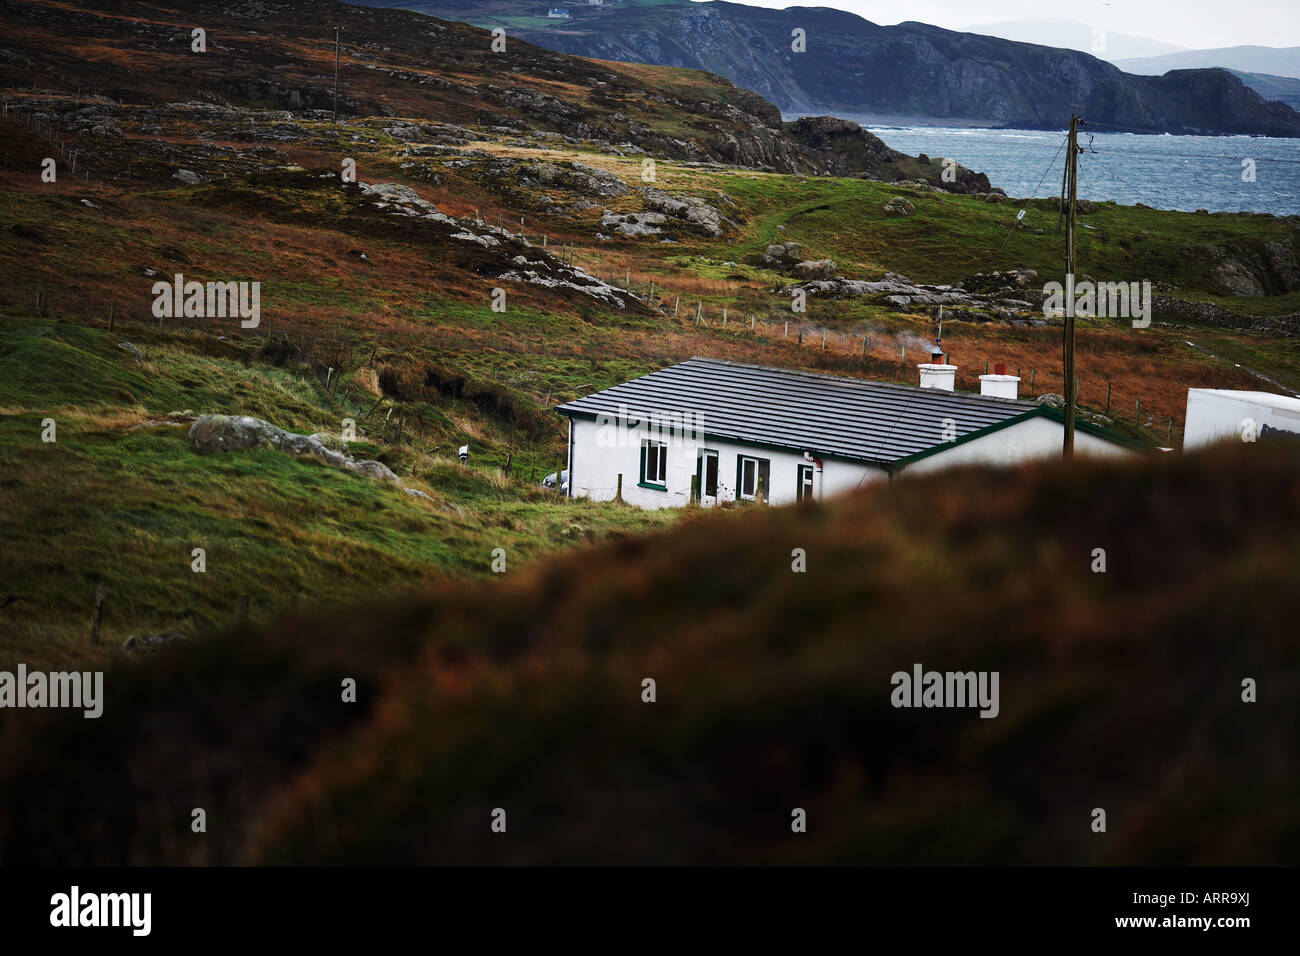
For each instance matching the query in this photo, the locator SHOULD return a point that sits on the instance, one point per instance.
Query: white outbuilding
(717, 431)
(1223, 414)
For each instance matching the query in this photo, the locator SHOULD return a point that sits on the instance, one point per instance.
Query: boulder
(782, 255)
(815, 269)
(899, 206)
(151, 643)
(186, 176)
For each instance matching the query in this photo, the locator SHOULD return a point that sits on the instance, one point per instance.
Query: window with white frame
(654, 465)
(752, 478)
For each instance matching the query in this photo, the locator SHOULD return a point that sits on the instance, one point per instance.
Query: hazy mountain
(1284, 88)
(853, 66)
(1074, 35)
(1271, 60)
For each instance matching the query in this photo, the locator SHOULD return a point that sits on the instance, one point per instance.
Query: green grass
(952, 236)
(108, 503)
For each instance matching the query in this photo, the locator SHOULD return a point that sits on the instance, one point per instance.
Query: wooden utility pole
(1072, 183)
(336, 74)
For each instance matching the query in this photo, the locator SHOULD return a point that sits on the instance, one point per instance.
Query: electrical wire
(1050, 164)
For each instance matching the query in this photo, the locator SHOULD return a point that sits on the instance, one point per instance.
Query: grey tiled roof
(803, 411)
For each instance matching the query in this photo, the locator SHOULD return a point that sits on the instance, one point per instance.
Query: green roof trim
(1041, 411)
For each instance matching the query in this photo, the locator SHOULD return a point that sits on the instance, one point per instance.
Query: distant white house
(557, 13)
(1220, 414)
(722, 431)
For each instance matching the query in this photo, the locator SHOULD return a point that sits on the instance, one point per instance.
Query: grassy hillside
(121, 499)
(381, 311)
(1119, 690)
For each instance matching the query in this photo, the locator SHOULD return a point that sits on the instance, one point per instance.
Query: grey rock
(217, 433)
(899, 206)
(152, 643)
(634, 224)
(815, 269)
(373, 469)
(1232, 277)
(690, 209)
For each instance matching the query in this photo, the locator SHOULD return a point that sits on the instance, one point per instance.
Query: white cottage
(722, 431)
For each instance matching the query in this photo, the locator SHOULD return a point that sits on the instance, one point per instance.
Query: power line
(1050, 164)
(1121, 179)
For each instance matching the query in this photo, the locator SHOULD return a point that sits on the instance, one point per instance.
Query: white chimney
(938, 376)
(1000, 384)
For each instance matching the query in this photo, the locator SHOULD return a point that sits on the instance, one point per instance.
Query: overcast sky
(1196, 24)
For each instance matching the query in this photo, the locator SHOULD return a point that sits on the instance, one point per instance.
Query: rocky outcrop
(690, 209)
(578, 177)
(1267, 268)
(997, 300)
(841, 147)
(633, 224)
(402, 199)
(1006, 282)
(220, 433)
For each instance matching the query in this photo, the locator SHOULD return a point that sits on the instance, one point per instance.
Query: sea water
(1217, 173)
